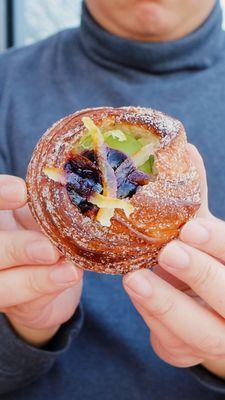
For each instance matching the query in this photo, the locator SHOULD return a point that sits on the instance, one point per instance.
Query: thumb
(13, 192)
(198, 162)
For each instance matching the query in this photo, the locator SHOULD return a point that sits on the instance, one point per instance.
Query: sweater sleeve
(208, 379)
(21, 363)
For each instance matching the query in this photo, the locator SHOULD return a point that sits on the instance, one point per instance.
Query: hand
(183, 300)
(38, 290)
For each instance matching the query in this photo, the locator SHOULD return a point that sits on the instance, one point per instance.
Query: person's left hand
(183, 300)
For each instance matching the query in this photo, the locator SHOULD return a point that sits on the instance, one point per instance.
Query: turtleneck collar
(198, 50)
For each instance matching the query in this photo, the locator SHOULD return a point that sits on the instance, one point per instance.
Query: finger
(23, 284)
(8, 222)
(18, 219)
(13, 192)
(166, 276)
(204, 274)
(188, 320)
(183, 360)
(25, 248)
(175, 351)
(25, 219)
(207, 235)
(199, 164)
(61, 308)
(48, 310)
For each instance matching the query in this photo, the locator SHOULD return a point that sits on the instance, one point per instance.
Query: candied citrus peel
(142, 155)
(139, 150)
(108, 204)
(116, 134)
(108, 177)
(55, 174)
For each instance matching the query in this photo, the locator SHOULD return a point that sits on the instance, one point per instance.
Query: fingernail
(64, 273)
(41, 251)
(138, 283)
(13, 192)
(174, 256)
(194, 232)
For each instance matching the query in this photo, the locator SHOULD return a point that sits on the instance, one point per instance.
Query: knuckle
(164, 309)
(40, 319)
(9, 250)
(23, 310)
(218, 242)
(32, 318)
(221, 252)
(177, 360)
(205, 275)
(175, 347)
(156, 344)
(211, 345)
(33, 284)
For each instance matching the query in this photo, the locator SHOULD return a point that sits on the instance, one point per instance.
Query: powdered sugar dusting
(160, 208)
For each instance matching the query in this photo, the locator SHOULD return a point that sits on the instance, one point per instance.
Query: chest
(197, 99)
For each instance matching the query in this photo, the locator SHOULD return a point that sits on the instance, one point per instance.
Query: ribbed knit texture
(111, 357)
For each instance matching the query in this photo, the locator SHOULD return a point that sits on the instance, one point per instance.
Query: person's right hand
(38, 290)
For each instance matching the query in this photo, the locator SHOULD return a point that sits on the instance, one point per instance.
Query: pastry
(111, 186)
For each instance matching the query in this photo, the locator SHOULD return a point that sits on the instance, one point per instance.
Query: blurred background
(26, 21)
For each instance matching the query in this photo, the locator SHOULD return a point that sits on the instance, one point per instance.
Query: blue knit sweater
(103, 352)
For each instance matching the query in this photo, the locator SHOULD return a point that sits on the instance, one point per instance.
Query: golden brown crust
(161, 207)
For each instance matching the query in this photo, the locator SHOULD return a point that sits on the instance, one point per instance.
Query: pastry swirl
(70, 191)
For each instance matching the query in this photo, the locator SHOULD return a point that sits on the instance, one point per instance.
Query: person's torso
(112, 357)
